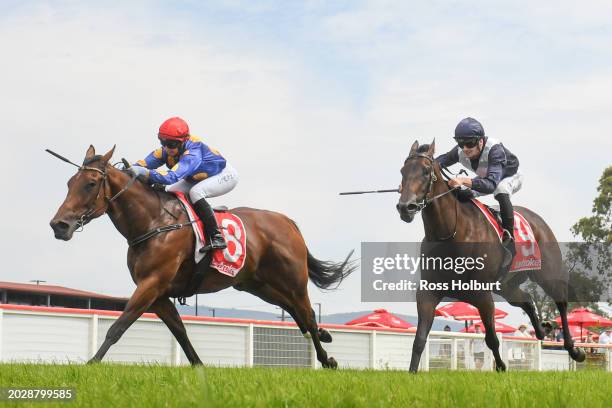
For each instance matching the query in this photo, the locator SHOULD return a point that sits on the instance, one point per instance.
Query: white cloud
(288, 118)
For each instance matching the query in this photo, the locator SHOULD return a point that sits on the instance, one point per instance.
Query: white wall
(37, 334)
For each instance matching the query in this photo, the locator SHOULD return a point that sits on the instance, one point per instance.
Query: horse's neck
(441, 216)
(135, 211)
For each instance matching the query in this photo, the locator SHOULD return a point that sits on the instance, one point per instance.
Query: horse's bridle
(425, 201)
(432, 179)
(88, 215)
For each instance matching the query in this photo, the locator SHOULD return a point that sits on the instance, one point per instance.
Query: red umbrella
(499, 328)
(464, 311)
(583, 317)
(580, 335)
(380, 318)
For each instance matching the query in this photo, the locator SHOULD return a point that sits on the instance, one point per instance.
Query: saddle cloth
(230, 260)
(528, 256)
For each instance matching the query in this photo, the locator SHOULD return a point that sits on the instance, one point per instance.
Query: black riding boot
(507, 216)
(207, 215)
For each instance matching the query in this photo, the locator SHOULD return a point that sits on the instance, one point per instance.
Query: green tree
(589, 262)
(596, 231)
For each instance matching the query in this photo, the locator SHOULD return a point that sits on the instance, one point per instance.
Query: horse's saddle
(495, 213)
(528, 256)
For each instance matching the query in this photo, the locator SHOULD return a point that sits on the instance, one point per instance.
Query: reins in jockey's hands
(460, 181)
(138, 171)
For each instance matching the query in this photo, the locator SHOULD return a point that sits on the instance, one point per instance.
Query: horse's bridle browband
(426, 201)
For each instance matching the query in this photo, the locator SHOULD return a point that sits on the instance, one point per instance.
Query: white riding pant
(510, 185)
(214, 186)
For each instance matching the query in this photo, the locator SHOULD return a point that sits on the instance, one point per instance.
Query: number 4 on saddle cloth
(528, 256)
(230, 260)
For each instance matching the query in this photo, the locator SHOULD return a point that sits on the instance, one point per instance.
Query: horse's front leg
(486, 309)
(147, 291)
(426, 307)
(166, 311)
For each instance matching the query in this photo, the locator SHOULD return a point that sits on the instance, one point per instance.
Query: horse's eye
(89, 186)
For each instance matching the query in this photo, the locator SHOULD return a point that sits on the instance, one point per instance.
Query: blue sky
(305, 99)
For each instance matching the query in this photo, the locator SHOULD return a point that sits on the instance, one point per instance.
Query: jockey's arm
(154, 160)
(495, 171)
(450, 158)
(185, 167)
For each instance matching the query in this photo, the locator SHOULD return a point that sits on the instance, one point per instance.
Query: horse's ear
(432, 148)
(91, 152)
(414, 148)
(108, 155)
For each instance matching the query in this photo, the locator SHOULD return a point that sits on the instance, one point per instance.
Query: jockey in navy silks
(497, 172)
(194, 168)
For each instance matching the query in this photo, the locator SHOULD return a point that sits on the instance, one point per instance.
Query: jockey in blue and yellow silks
(194, 168)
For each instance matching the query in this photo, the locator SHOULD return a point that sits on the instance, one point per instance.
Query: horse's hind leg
(304, 312)
(568, 344)
(269, 294)
(486, 308)
(557, 290)
(519, 298)
(166, 311)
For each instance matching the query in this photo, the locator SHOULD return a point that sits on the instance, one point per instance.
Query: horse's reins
(87, 216)
(426, 201)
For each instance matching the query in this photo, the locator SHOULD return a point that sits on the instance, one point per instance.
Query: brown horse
(277, 266)
(464, 231)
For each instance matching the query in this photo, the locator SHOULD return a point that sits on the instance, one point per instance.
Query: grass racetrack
(106, 385)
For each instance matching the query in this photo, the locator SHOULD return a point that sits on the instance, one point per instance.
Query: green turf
(106, 385)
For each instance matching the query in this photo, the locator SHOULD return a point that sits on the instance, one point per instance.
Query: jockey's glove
(465, 194)
(139, 171)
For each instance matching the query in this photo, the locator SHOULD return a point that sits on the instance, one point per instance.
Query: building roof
(54, 290)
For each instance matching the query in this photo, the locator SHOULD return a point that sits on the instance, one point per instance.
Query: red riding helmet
(174, 128)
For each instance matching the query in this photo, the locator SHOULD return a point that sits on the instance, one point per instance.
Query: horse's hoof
(331, 363)
(577, 354)
(501, 367)
(324, 336)
(93, 361)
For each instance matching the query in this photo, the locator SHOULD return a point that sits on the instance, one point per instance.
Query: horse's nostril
(59, 226)
(412, 207)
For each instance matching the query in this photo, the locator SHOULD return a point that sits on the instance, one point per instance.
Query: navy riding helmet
(469, 128)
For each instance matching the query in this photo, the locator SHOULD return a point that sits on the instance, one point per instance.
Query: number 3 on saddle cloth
(231, 260)
(528, 256)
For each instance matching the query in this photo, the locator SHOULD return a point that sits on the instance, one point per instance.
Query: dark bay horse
(277, 267)
(463, 228)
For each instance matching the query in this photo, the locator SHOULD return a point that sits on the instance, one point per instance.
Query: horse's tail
(325, 274)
